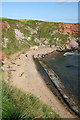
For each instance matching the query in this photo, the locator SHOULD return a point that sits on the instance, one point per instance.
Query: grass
(17, 105)
(44, 31)
(31, 23)
(24, 31)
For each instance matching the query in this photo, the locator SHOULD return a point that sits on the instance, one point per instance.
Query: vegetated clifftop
(21, 34)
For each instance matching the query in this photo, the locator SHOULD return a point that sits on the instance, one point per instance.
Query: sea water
(67, 67)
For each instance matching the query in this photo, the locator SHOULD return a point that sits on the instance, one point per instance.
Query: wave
(72, 53)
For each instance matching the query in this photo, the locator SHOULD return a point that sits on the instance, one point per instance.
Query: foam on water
(72, 53)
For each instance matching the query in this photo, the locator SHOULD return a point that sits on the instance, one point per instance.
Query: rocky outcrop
(34, 48)
(27, 36)
(4, 25)
(33, 31)
(3, 58)
(73, 44)
(73, 29)
(4, 44)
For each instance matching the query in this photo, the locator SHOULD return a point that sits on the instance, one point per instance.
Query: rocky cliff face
(73, 29)
(18, 34)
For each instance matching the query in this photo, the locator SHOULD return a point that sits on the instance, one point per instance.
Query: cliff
(22, 34)
(73, 29)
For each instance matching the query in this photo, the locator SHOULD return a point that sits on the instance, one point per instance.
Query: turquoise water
(67, 67)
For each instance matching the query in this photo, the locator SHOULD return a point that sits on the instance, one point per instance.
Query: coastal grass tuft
(17, 105)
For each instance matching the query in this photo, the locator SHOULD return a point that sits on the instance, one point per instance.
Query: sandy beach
(23, 74)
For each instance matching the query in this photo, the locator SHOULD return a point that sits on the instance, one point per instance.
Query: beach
(22, 73)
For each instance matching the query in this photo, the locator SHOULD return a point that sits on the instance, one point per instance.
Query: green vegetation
(62, 39)
(24, 31)
(32, 24)
(45, 30)
(44, 33)
(17, 105)
(76, 36)
(12, 45)
(32, 42)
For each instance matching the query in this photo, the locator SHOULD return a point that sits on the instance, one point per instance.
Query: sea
(67, 66)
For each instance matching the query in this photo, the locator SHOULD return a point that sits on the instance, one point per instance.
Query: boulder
(73, 44)
(34, 47)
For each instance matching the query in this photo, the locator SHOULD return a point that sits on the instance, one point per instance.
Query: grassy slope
(44, 30)
(18, 105)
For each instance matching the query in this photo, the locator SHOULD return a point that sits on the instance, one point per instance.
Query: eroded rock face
(73, 44)
(2, 55)
(33, 31)
(19, 24)
(34, 47)
(4, 25)
(73, 29)
(18, 34)
(4, 44)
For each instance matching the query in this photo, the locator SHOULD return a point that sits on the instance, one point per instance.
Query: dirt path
(24, 75)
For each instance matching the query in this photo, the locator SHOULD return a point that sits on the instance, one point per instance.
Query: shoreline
(23, 74)
(65, 94)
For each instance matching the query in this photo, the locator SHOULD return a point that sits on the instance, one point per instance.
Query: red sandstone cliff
(73, 29)
(64, 28)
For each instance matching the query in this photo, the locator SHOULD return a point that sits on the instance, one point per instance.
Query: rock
(46, 42)
(53, 46)
(36, 56)
(19, 35)
(37, 40)
(34, 47)
(33, 31)
(73, 44)
(26, 55)
(4, 68)
(28, 38)
(43, 55)
(66, 97)
(21, 74)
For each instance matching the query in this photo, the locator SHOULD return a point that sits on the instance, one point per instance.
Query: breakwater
(67, 96)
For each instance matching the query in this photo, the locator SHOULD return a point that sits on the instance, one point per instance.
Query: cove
(67, 68)
(62, 69)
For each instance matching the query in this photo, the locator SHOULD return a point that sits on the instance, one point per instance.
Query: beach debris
(26, 55)
(12, 70)
(21, 74)
(23, 52)
(43, 55)
(13, 63)
(18, 65)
